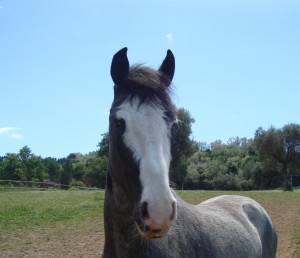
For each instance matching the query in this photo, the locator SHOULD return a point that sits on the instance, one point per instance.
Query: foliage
(11, 168)
(78, 169)
(53, 169)
(223, 166)
(96, 171)
(76, 183)
(68, 169)
(103, 145)
(182, 147)
(22, 166)
(281, 149)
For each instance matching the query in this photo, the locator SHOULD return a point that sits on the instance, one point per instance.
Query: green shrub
(77, 183)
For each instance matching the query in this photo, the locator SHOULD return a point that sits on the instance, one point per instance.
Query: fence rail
(33, 185)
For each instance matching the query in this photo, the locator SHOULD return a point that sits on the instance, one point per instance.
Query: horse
(143, 216)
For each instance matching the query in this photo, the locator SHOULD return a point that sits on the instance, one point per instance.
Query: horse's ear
(119, 66)
(168, 65)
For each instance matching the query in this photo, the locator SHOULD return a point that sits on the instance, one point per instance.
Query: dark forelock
(149, 85)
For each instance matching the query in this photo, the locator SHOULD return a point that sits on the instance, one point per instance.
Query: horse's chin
(151, 234)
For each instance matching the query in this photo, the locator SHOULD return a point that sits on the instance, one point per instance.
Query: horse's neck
(120, 229)
(118, 208)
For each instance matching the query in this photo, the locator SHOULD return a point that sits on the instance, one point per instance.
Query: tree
(103, 145)
(32, 166)
(182, 147)
(225, 182)
(53, 169)
(267, 174)
(79, 170)
(24, 156)
(96, 169)
(195, 178)
(37, 169)
(222, 166)
(68, 167)
(11, 168)
(281, 145)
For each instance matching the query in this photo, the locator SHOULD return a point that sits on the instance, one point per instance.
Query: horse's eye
(119, 122)
(175, 124)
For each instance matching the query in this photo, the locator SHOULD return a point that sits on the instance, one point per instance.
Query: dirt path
(286, 218)
(80, 240)
(86, 239)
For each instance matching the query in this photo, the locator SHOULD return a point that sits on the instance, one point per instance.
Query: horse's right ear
(119, 66)
(168, 65)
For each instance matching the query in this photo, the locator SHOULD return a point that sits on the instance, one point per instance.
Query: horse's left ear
(168, 65)
(119, 66)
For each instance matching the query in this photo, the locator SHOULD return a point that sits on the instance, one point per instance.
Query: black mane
(148, 84)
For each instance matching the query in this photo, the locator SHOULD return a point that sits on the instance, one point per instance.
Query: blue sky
(237, 66)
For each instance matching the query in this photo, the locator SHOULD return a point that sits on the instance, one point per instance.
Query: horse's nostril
(145, 213)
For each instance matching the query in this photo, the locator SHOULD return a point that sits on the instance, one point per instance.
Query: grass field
(70, 223)
(27, 209)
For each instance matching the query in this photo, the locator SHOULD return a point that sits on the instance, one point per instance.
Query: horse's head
(141, 119)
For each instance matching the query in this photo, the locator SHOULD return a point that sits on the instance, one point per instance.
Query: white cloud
(11, 132)
(107, 113)
(4, 130)
(170, 37)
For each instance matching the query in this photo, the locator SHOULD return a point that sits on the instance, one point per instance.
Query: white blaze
(147, 135)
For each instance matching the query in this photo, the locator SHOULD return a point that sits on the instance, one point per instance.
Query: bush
(245, 185)
(225, 182)
(76, 183)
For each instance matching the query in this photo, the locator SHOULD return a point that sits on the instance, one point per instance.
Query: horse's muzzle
(148, 233)
(149, 228)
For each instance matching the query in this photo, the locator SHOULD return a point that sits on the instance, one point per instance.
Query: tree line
(74, 170)
(270, 160)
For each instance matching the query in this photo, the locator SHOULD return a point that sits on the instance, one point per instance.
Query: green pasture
(30, 209)
(41, 208)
